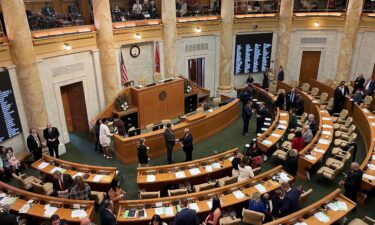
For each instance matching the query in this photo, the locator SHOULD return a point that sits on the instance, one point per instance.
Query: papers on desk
(80, 213)
(326, 132)
(267, 142)
(208, 168)
(284, 177)
(326, 118)
(371, 166)
(58, 169)
(238, 194)
(255, 100)
(231, 158)
(49, 210)
(267, 124)
(264, 129)
(261, 188)
(339, 205)
(194, 206)
(79, 174)
(159, 204)
(8, 200)
(283, 114)
(275, 135)
(365, 110)
(371, 117)
(282, 122)
(322, 217)
(326, 126)
(164, 210)
(367, 176)
(150, 178)
(216, 165)
(373, 157)
(281, 127)
(24, 208)
(373, 124)
(300, 223)
(318, 150)
(98, 178)
(180, 174)
(209, 203)
(194, 171)
(43, 165)
(310, 157)
(323, 142)
(210, 110)
(267, 119)
(2, 195)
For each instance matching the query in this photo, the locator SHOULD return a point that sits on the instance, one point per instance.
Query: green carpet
(81, 150)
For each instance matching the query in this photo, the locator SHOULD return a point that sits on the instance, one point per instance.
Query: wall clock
(135, 51)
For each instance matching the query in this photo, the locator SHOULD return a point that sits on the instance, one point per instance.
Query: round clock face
(135, 51)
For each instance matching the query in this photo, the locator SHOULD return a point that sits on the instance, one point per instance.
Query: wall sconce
(198, 29)
(138, 36)
(316, 24)
(67, 46)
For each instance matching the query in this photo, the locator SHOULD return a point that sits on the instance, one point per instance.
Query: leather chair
(305, 87)
(364, 221)
(329, 105)
(24, 181)
(226, 181)
(204, 187)
(345, 134)
(294, 83)
(339, 151)
(252, 217)
(181, 191)
(323, 98)
(97, 196)
(345, 126)
(149, 127)
(199, 109)
(42, 188)
(229, 221)
(366, 102)
(273, 89)
(340, 117)
(330, 172)
(314, 92)
(302, 119)
(216, 101)
(281, 154)
(149, 195)
(342, 142)
(305, 196)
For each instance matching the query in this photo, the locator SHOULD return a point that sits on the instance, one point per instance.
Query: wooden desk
(37, 210)
(273, 134)
(228, 198)
(307, 214)
(201, 129)
(314, 151)
(166, 175)
(48, 165)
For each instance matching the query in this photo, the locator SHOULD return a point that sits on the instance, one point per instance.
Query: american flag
(124, 73)
(157, 59)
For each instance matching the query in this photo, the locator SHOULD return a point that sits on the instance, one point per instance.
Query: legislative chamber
(187, 112)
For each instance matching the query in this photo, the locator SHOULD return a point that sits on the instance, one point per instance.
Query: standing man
(107, 217)
(280, 75)
(51, 134)
(369, 86)
(358, 83)
(34, 144)
(186, 216)
(170, 141)
(291, 99)
(339, 97)
(352, 182)
(262, 112)
(119, 124)
(247, 112)
(187, 144)
(290, 203)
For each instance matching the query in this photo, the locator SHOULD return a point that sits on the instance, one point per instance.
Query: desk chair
(343, 127)
(281, 154)
(226, 181)
(229, 221)
(340, 151)
(272, 89)
(330, 172)
(204, 187)
(328, 82)
(181, 191)
(24, 181)
(199, 109)
(305, 87)
(280, 91)
(364, 221)
(97, 196)
(322, 100)
(343, 142)
(42, 188)
(216, 101)
(149, 195)
(328, 105)
(294, 83)
(314, 92)
(344, 134)
(304, 196)
(350, 88)
(338, 160)
(340, 117)
(252, 217)
(366, 102)
(149, 127)
(302, 119)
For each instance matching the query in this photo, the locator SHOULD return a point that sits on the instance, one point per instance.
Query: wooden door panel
(78, 107)
(309, 65)
(66, 106)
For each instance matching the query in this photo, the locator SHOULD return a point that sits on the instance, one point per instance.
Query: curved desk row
(201, 125)
(275, 132)
(233, 195)
(98, 177)
(327, 210)
(41, 207)
(194, 172)
(364, 120)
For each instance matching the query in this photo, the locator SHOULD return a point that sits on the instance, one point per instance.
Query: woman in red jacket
(298, 141)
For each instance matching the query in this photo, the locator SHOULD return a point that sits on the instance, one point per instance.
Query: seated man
(62, 183)
(137, 10)
(6, 217)
(48, 11)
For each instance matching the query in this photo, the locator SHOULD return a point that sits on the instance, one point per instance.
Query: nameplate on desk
(216, 165)
(267, 124)
(281, 127)
(267, 142)
(371, 166)
(208, 168)
(318, 150)
(323, 142)
(267, 119)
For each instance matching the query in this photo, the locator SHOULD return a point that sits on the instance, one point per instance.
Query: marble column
(226, 46)
(351, 26)
(283, 35)
(106, 45)
(22, 51)
(169, 37)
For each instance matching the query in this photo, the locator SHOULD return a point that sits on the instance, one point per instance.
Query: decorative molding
(313, 40)
(196, 47)
(63, 70)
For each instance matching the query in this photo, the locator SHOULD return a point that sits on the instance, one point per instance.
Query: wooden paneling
(309, 65)
(373, 73)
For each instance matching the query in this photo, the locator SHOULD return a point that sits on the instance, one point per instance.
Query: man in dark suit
(339, 97)
(245, 95)
(280, 75)
(352, 182)
(247, 112)
(187, 144)
(106, 214)
(170, 141)
(62, 183)
(119, 124)
(55, 220)
(290, 203)
(358, 83)
(311, 122)
(7, 218)
(299, 106)
(186, 216)
(291, 99)
(369, 87)
(51, 134)
(34, 144)
(262, 112)
(47, 10)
